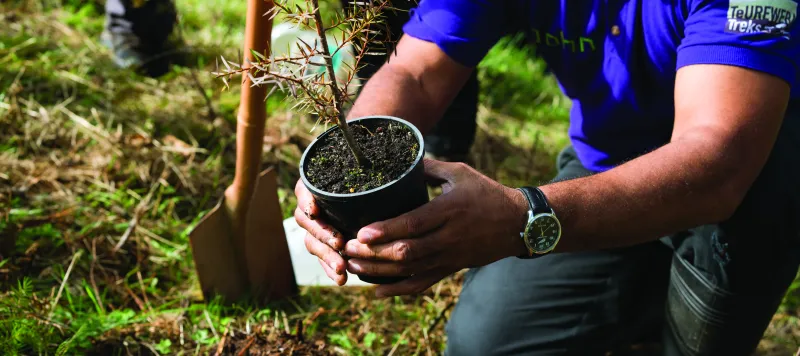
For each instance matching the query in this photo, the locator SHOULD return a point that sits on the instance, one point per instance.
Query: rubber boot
(137, 32)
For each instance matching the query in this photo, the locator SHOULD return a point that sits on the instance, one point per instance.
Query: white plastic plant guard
(307, 270)
(286, 36)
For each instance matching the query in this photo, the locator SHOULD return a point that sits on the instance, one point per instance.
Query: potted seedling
(360, 171)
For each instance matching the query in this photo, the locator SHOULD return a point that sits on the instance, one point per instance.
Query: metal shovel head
(256, 266)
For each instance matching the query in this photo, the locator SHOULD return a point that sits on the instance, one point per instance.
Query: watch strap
(536, 200)
(537, 204)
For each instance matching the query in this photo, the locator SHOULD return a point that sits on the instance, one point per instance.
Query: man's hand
(476, 221)
(321, 239)
(423, 80)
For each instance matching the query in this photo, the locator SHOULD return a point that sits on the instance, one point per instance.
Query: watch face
(544, 232)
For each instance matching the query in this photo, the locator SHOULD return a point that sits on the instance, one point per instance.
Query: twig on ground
(136, 299)
(64, 283)
(221, 344)
(137, 213)
(250, 341)
(160, 239)
(286, 324)
(399, 341)
(210, 324)
(56, 217)
(91, 130)
(300, 330)
(54, 324)
(91, 276)
(296, 306)
(150, 347)
(210, 105)
(441, 315)
(144, 292)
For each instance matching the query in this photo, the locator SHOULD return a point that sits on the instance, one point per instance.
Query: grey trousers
(711, 290)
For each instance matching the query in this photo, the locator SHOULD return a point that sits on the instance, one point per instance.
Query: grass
(104, 172)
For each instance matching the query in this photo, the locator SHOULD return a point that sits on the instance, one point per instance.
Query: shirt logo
(773, 17)
(578, 44)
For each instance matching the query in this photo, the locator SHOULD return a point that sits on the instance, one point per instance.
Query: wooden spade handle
(252, 111)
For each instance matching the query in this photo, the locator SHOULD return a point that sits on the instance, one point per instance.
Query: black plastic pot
(348, 213)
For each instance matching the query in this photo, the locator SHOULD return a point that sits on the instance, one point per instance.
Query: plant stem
(338, 97)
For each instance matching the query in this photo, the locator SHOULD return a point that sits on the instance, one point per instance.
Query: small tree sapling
(319, 92)
(350, 192)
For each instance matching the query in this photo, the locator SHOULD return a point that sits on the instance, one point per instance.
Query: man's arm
(726, 122)
(417, 84)
(727, 119)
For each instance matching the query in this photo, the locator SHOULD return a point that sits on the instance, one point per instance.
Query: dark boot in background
(137, 31)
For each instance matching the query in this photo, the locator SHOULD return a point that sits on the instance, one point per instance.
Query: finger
(431, 180)
(391, 269)
(332, 258)
(413, 285)
(414, 223)
(320, 230)
(397, 251)
(442, 171)
(340, 279)
(305, 201)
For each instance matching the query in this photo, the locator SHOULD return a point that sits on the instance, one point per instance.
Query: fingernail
(365, 236)
(332, 243)
(350, 249)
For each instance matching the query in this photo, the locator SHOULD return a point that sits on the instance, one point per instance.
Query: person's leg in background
(137, 32)
(453, 136)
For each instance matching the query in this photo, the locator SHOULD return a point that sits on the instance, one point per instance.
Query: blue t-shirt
(617, 59)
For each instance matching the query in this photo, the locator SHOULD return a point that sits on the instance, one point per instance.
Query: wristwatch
(542, 230)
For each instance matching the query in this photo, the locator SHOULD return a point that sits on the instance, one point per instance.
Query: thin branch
(338, 98)
(313, 82)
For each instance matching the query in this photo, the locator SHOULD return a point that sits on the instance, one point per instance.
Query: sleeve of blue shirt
(755, 34)
(464, 29)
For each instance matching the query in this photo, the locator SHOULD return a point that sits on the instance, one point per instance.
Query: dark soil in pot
(390, 147)
(352, 197)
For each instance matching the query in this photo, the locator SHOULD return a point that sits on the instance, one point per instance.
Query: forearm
(679, 186)
(726, 122)
(394, 92)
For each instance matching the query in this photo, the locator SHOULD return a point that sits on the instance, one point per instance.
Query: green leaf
(92, 296)
(67, 345)
(25, 212)
(369, 339)
(163, 346)
(257, 55)
(341, 339)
